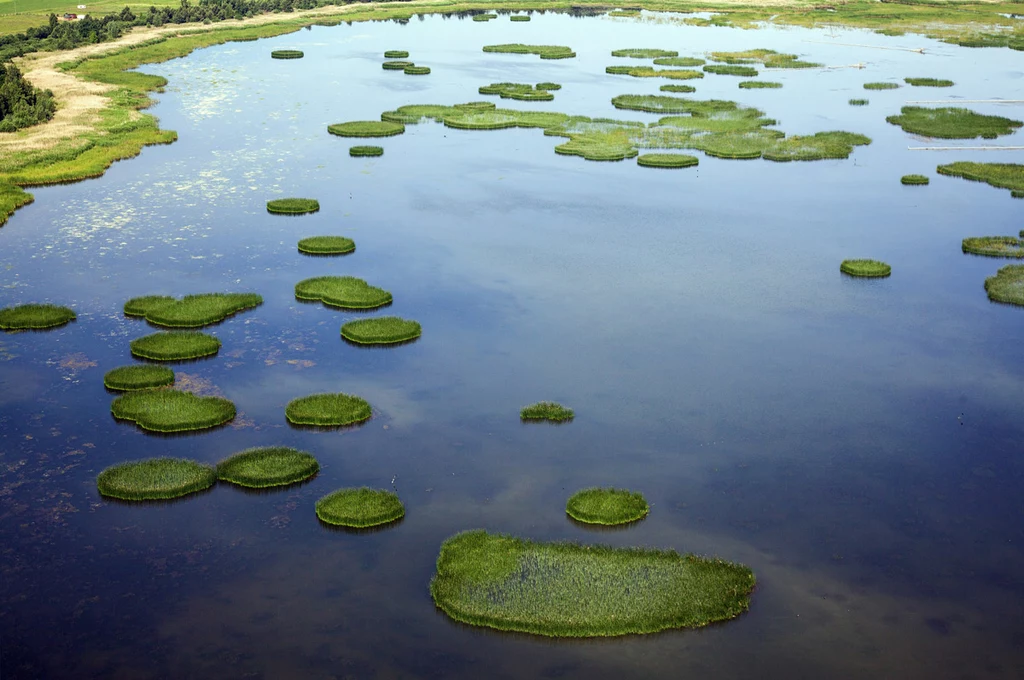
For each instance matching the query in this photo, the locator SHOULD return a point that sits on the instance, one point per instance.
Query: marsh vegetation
(346, 292)
(172, 411)
(731, 70)
(366, 128)
(192, 311)
(644, 53)
(928, 82)
(1007, 285)
(666, 160)
(138, 377)
(881, 86)
(542, 51)
(175, 346)
(396, 54)
(328, 410)
(649, 72)
(293, 206)
(759, 85)
(155, 479)
(1003, 175)
(326, 245)
(519, 91)
(994, 246)
(546, 410)
(287, 54)
(35, 317)
(865, 268)
(360, 508)
(607, 506)
(267, 466)
(382, 330)
(914, 180)
(952, 123)
(769, 58)
(365, 151)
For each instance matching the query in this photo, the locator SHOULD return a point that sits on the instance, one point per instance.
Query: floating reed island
(666, 160)
(928, 82)
(484, 17)
(172, 411)
(287, 54)
(914, 180)
(858, 102)
(175, 346)
(383, 330)
(1007, 285)
(572, 590)
(1002, 175)
(327, 245)
(328, 410)
(607, 506)
(683, 89)
(138, 377)
(759, 85)
(293, 206)
(649, 72)
(366, 128)
(865, 268)
(952, 123)
(769, 58)
(346, 292)
(519, 91)
(267, 466)
(881, 86)
(731, 70)
(644, 53)
(155, 479)
(548, 86)
(399, 65)
(546, 410)
(192, 311)
(416, 70)
(519, 17)
(358, 151)
(994, 246)
(360, 508)
(35, 317)
(685, 62)
(396, 54)
(542, 51)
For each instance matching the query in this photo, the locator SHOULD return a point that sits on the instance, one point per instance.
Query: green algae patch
(666, 160)
(192, 311)
(267, 466)
(361, 151)
(881, 86)
(928, 82)
(366, 128)
(1007, 285)
(865, 268)
(519, 91)
(573, 590)
(546, 410)
(914, 180)
(681, 89)
(138, 377)
(360, 508)
(35, 317)
(952, 123)
(417, 70)
(759, 85)
(685, 62)
(327, 245)
(384, 330)
(155, 479)
(175, 346)
(484, 17)
(287, 54)
(519, 17)
(546, 86)
(607, 506)
(542, 51)
(328, 410)
(396, 65)
(293, 206)
(769, 58)
(731, 70)
(858, 102)
(994, 246)
(644, 53)
(346, 292)
(648, 72)
(172, 411)
(396, 54)
(1002, 175)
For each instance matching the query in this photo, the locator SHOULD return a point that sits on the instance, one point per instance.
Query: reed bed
(994, 246)
(172, 411)
(293, 206)
(865, 268)
(35, 317)
(1002, 175)
(366, 128)
(648, 72)
(192, 311)
(396, 54)
(666, 160)
(542, 51)
(1007, 286)
(383, 330)
(360, 508)
(267, 466)
(138, 377)
(607, 506)
(287, 54)
(952, 123)
(327, 245)
(546, 410)
(881, 86)
(928, 82)
(769, 58)
(328, 410)
(155, 479)
(759, 85)
(644, 53)
(175, 346)
(731, 70)
(914, 180)
(519, 91)
(346, 292)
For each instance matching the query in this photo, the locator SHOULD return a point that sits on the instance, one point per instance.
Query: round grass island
(914, 180)
(328, 410)
(367, 128)
(865, 268)
(666, 160)
(359, 151)
(267, 466)
(416, 70)
(35, 317)
(155, 479)
(609, 507)
(192, 311)
(346, 292)
(293, 206)
(573, 590)
(383, 330)
(326, 245)
(287, 54)
(1007, 286)
(994, 246)
(360, 508)
(396, 54)
(546, 410)
(175, 346)
(172, 411)
(138, 377)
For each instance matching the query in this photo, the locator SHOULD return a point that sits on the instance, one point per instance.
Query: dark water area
(856, 443)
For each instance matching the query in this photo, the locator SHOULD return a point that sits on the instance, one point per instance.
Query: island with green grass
(172, 411)
(155, 479)
(328, 410)
(360, 508)
(35, 317)
(607, 506)
(268, 466)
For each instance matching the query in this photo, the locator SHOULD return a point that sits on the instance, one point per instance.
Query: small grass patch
(682, 89)
(1003, 175)
(914, 180)
(548, 87)
(287, 54)
(928, 82)
(770, 59)
(685, 62)
(858, 102)
(293, 206)
(648, 72)
(1007, 285)
(866, 268)
(546, 410)
(644, 53)
(731, 70)
(607, 506)
(572, 590)
(360, 508)
(155, 479)
(396, 54)
(175, 346)
(346, 292)
(881, 86)
(519, 91)
(361, 151)
(172, 411)
(396, 65)
(519, 17)
(366, 128)
(994, 246)
(417, 70)
(192, 311)
(34, 316)
(267, 466)
(138, 377)
(952, 123)
(759, 85)
(484, 17)
(328, 410)
(542, 51)
(326, 245)
(384, 330)
(666, 160)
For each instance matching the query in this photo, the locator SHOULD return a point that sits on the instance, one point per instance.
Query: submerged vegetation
(928, 82)
(546, 410)
(293, 206)
(542, 51)
(34, 317)
(881, 86)
(328, 410)
(666, 160)
(914, 180)
(572, 590)
(172, 411)
(326, 245)
(865, 268)
(1007, 285)
(759, 85)
(155, 479)
(366, 128)
(360, 508)
(607, 506)
(287, 54)
(994, 246)
(192, 311)
(1003, 175)
(520, 91)
(346, 292)
(175, 346)
(649, 72)
(644, 53)
(138, 377)
(952, 123)
(267, 466)
(731, 70)
(383, 330)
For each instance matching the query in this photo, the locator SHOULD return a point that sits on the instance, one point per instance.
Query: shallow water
(854, 442)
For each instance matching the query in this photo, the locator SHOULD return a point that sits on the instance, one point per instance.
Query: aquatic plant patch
(484, 17)
(417, 70)
(759, 85)
(681, 89)
(155, 479)
(362, 151)
(666, 160)
(770, 59)
(624, 13)
(952, 123)
(547, 410)
(684, 62)
(607, 506)
(267, 466)
(928, 82)
(360, 508)
(35, 316)
(287, 54)
(914, 180)
(346, 292)
(1007, 285)
(138, 377)
(519, 17)
(542, 51)
(366, 128)
(293, 206)
(881, 86)
(648, 72)
(328, 410)
(172, 411)
(175, 346)
(644, 53)
(520, 91)
(396, 65)
(548, 86)
(192, 311)
(383, 330)
(731, 70)
(865, 268)
(858, 102)
(994, 246)
(573, 590)
(396, 54)
(326, 245)
(1003, 175)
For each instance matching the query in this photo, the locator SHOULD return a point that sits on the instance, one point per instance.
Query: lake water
(855, 442)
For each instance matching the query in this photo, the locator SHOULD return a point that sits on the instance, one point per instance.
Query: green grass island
(644, 53)
(914, 180)
(360, 151)
(952, 123)
(328, 410)
(666, 160)
(759, 85)
(172, 411)
(685, 62)
(519, 17)
(547, 86)
(383, 330)
(994, 246)
(35, 317)
(608, 507)
(573, 590)
(865, 268)
(681, 89)
(542, 51)
(396, 54)
(519, 91)
(1001, 175)
(175, 346)
(326, 245)
(366, 128)
(881, 86)
(416, 70)
(267, 466)
(360, 508)
(399, 65)
(346, 292)
(138, 377)
(1007, 286)
(649, 72)
(155, 479)
(731, 70)
(484, 17)
(192, 311)
(293, 206)
(858, 102)
(287, 54)
(546, 410)
(928, 82)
